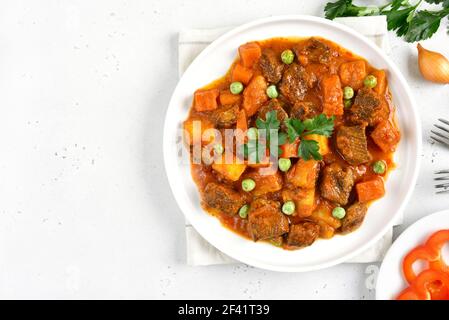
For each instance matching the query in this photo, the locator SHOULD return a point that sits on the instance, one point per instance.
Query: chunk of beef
(273, 105)
(368, 109)
(352, 145)
(266, 221)
(222, 198)
(354, 217)
(316, 51)
(303, 234)
(304, 110)
(271, 66)
(337, 183)
(225, 116)
(293, 84)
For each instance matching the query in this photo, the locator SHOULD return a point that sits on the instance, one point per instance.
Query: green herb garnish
(402, 16)
(320, 125)
(255, 149)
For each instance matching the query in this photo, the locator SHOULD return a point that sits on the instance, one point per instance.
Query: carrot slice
(381, 76)
(227, 98)
(241, 74)
(332, 95)
(206, 100)
(290, 149)
(386, 136)
(254, 95)
(249, 54)
(370, 190)
(242, 121)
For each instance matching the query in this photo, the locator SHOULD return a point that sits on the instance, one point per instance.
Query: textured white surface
(85, 207)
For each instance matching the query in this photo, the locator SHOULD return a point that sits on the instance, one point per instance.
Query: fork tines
(442, 175)
(441, 136)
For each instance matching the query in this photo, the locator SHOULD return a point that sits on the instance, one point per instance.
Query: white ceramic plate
(211, 64)
(390, 281)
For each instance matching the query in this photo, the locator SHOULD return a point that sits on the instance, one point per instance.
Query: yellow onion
(433, 65)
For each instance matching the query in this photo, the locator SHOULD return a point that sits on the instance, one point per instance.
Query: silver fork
(441, 136)
(442, 175)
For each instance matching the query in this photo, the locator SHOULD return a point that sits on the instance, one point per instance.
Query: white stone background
(85, 207)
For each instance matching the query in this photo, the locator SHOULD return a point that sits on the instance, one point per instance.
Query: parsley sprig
(402, 16)
(320, 125)
(256, 148)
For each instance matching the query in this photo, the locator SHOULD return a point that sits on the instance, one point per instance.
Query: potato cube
(231, 171)
(304, 173)
(265, 181)
(323, 142)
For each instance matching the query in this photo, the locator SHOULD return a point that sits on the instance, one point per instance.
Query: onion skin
(433, 65)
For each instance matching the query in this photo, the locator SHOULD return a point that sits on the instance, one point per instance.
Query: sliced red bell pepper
(435, 243)
(407, 294)
(425, 279)
(438, 291)
(419, 253)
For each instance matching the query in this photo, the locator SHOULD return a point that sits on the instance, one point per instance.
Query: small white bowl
(211, 64)
(390, 281)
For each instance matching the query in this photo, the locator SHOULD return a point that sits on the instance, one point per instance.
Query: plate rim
(401, 80)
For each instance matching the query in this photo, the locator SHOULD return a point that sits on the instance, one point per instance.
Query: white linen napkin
(191, 43)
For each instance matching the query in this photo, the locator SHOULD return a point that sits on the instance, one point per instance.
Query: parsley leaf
(402, 16)
(397, 20)
(345, 8)
(253, 150)
(336, 9)
(436, 1)
(271, 121)
(320, 124)
(423, 25)
(309, 149)
(282, 138)
(295, 128)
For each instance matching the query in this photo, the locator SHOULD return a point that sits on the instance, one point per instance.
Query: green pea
(347, 103)
(308, 122)
(284, 164)
(287, 56)
(348, 93)
(248, 185)
(272, 92)
(370, 81)
(379, 167)
(236, 87)
(243, 212)
(252, 133)
(339, 212)
(218, 149)
(288, 208)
